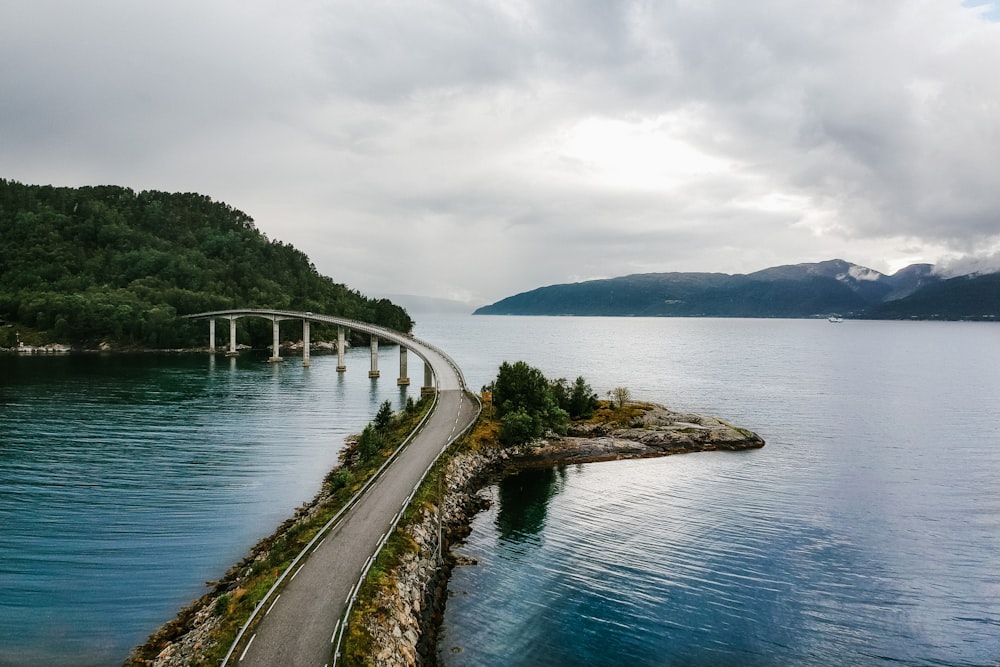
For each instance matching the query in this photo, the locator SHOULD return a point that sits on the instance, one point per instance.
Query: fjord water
(126, 482)
(867, 531)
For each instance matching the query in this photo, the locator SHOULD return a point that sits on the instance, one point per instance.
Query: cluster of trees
(92, 264)
(378, 438)
(528, 404)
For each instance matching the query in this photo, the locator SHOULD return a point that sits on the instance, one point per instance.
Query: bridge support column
(373, 373)
(428, 387)
(305, 343)
(403, 380)
(275, 349)
(340, 350)
(232, 337)
(211, 335)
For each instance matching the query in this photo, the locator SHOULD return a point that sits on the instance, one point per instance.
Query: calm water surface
(866, 532)
(126, 482)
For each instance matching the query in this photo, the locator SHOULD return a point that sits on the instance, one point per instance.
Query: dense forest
(91, 265)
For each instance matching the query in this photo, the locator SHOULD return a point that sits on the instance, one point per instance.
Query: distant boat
(835, 319)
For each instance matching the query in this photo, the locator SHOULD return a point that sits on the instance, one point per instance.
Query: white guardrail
(402, 339)
(341, 625)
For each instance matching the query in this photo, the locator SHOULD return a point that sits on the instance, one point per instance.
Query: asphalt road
(298, 627)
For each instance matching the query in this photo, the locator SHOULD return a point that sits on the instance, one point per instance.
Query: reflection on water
(524, 500)
(866, 532)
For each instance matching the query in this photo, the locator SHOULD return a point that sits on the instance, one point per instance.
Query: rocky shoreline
(406, 624)
(404, 627)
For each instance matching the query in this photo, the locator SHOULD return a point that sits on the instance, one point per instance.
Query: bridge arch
(440, 371)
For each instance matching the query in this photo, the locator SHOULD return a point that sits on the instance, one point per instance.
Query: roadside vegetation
(519, 406)
(244, 586)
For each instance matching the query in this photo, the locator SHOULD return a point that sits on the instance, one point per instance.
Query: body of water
(867, 531)
(128, 481)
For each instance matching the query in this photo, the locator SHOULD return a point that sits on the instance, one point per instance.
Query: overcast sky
(473, 150)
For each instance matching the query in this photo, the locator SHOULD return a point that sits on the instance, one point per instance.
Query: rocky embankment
(405, 626)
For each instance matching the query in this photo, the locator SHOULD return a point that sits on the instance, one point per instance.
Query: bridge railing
(404, 339)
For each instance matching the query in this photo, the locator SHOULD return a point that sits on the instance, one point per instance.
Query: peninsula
(526, 420)
(395, 621)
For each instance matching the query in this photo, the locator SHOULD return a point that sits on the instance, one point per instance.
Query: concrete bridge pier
(403, 380)
(232, 338)
(211, 335)
(373, 373)
(305, 343)
(275, 349)
(428, 387)
(340, 350)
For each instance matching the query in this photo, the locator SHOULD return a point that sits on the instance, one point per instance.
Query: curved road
(298, 626)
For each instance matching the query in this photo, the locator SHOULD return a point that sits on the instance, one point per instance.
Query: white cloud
(485, 148)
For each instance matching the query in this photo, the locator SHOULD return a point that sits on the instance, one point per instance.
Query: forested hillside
(108, 264)
(795, 290)
(974, 297)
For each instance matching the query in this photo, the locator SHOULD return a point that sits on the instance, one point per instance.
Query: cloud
(951, 267)
(485, 148)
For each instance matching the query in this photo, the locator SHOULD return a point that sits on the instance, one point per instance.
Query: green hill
(108, 264)
(793, 290)
(973, 297)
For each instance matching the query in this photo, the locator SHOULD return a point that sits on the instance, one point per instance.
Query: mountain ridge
(802, 290)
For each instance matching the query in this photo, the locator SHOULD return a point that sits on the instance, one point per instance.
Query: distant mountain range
(800, 290)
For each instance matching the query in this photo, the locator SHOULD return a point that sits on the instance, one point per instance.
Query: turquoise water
(126, 482)
(867, 531)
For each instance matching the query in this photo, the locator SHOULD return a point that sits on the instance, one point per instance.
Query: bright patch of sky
(649, 154)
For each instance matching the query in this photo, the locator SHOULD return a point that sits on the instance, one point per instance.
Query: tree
(582, 400)
(519, 385)
(579, 401)
(383, 417)
(370, 442)
(561, 393)
(518, 427)
(620, 395)
(525, 404)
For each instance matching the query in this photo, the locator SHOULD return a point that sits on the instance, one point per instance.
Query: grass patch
(609, 413)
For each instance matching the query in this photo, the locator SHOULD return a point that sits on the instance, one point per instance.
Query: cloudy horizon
(475, 150)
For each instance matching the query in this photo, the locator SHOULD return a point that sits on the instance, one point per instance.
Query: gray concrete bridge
(428, 353)
(306, 608)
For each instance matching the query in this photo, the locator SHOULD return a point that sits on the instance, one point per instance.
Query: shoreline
(406, 619)
(408, 613)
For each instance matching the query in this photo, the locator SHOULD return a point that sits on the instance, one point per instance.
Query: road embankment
(405, 615)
